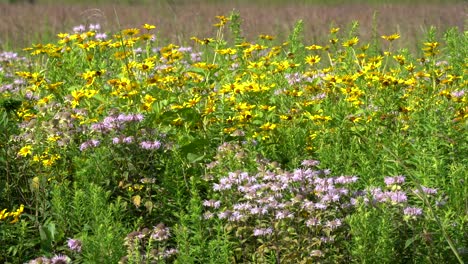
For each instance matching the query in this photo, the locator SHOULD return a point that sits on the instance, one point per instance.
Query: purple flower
(283, 214)
(412, 211)
(60, 259)
(212, 203)
(94, 27)
(115, 140)
(310, 163)
(334, 224)
(313, 222)
(100, 36)
(208, 215)
(150, 144)
(88, 144)
(427, 190)
(394, 180)
(396, 197)
(346, 179)
(128, 140)
(262, 231)
(39, 260)
(74, 244)
(79, 29)
(458, 94)
(160, 233)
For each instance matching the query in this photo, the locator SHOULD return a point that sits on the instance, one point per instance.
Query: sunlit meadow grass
(117, 148)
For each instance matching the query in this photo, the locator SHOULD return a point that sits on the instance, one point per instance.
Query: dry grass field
(22, 24)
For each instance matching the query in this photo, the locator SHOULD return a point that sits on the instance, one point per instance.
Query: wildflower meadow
(118, 147)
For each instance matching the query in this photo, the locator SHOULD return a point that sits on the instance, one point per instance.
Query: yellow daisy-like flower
(130, 31)
(149, 26)
(25, 151)
(391, 37)
(351, 42)
(314, 47)
(311, 60)
(334, 30)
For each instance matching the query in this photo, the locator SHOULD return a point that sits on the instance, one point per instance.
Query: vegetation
(119, 148)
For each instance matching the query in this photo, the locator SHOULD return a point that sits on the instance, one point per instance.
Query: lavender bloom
(88, 144)
(212, 203)
(283, 214)
(236, 216)
(160, 233)
(185, 49)
(327, 240)
(100, 36)
(60, 259)
(169, 252)
(412, 211)
(115, 140)
(396, 197)
(79, 29)
(40, 260)
(346, 179)
(74, 244)
(428, 190)
(128, 140)
(262, 231)
(195, 57)
(150, 145)
(320, 206)
(458, 94)
(94, 27)
(333, 224)
(130, 118)
(313, 222)
(293, 78)
(208, 215)
(394, 180)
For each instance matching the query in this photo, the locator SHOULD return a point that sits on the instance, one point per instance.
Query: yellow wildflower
(25, 151)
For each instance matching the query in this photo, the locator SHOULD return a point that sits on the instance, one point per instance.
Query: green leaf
(193, 158)
(410, 241)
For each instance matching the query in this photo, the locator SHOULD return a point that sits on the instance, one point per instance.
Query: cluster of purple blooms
(92, 27)
(396, 196)
(73, 245)
(57, 259)
(308, 196)
(273, 196)
(116, 123)
(147, 237)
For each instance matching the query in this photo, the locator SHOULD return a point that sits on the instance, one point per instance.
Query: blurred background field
(22, 23)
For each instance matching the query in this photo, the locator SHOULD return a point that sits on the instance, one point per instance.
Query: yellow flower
(149, 27)
(431, 49)
(311, 60)
(334, 30)
(267, 37)
(351, 42)
(314, 47)
(130, 31)
(268, 126)
(26, 150)
(222, 21)
(391, 37)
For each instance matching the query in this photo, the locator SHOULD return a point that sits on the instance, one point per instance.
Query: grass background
(22, 24)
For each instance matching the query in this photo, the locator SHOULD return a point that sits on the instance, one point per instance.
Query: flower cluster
(303, 198)
(14, 216)
(148, 244)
